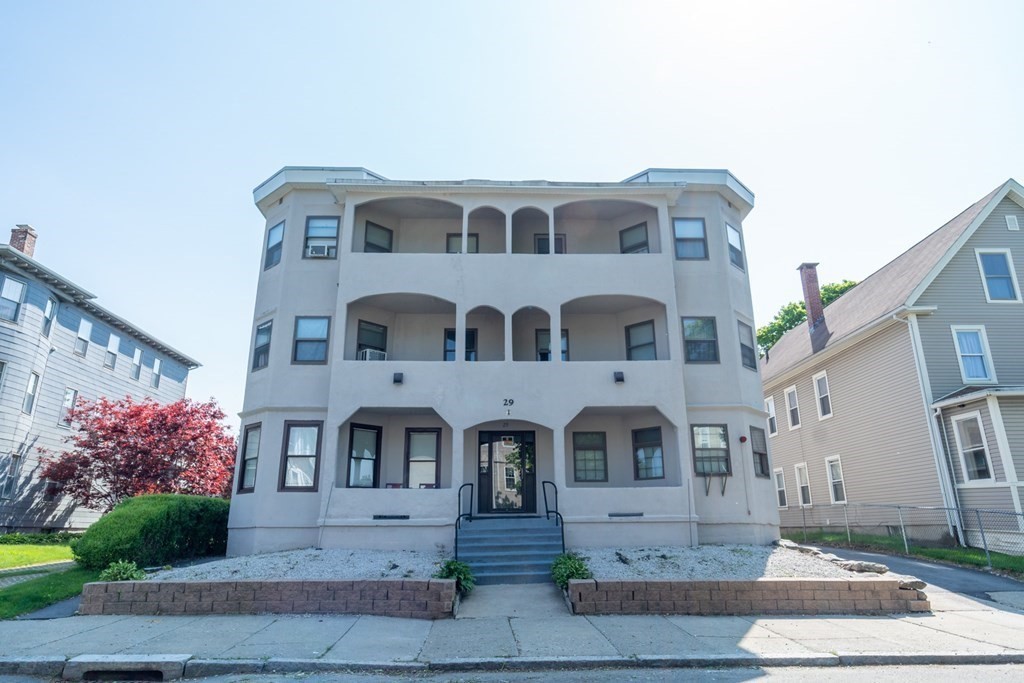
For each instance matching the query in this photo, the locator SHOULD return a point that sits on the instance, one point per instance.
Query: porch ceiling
(417, 207)
(613, 303)
(409, 303)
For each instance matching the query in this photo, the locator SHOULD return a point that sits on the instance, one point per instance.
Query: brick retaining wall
(759, 597)
(419, 599)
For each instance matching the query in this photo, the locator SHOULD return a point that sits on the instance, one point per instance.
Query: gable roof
(893, 287)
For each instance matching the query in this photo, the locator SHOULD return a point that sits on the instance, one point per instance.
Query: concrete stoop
(509, 550)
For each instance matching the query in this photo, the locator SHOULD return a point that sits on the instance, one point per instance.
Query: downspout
(949, 463)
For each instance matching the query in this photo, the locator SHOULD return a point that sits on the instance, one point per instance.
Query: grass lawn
(35, 594)
(26, 555)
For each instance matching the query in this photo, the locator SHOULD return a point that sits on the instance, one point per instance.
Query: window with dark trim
(453, 243)
(735, 246)
(300, 456)
(311, 335)
(49, 313)
(449, 344)
(691, 238)
(748, 352)
(371, 337)
(590, 456)
(633, 240)
(759, 447)
(543, 340)
(423, 458)
(30, 393)
(710, 450)
(700, 339)
(542, 243)
(64, 417)
(640, 341)
(364, 456)
(275, 243)
(249, 456)
(648, 459)
(378, 238)
(321, 237)
(11, 293)
(261, 351)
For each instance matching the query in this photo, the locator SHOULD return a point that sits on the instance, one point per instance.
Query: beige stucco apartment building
(413, 337)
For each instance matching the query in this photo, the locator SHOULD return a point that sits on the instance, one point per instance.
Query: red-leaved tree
(126, 448)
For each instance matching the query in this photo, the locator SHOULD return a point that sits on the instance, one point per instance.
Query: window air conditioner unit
(372, 354)
(317, 251)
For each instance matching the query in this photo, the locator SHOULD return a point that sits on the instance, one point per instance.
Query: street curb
(32, 666)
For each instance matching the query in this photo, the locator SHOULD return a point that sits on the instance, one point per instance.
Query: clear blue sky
(132, 133)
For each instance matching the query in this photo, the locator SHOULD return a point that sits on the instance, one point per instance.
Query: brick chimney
(812, 295)
(23, 238)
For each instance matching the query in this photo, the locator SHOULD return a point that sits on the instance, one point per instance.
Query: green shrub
(156, 530)
(122, 571)
(569, 566)
(56, 538)
(461, 572)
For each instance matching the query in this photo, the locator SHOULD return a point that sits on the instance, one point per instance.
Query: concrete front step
(503, 550)
(513, 577)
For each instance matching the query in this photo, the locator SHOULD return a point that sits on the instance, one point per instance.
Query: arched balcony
(408, 225)
(486, 231)
(530, 324)
(398, 326)
(615, 327)
(530, 232)
(608, 226)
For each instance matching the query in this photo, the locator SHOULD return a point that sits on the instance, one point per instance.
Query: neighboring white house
(402, 347)
(909, 389)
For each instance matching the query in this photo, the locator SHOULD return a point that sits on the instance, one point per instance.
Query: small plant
(461, 572)
(569, 566)
(122, 570)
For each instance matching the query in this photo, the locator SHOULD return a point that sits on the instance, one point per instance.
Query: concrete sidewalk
(961, 630)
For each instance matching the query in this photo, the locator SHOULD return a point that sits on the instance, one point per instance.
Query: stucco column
(689, 482)
(551, 232)
(458, 456)
(347, 228)
(460, 333)
(666, 230)
(558, 453)
(465, 232)
(556, 333)
(508, 234)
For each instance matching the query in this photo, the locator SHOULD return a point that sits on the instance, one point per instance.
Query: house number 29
(508, 401)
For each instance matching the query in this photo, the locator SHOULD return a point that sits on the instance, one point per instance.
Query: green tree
(795, 312)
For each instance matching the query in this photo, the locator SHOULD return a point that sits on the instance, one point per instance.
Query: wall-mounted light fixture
(398, 378)
(619, 376)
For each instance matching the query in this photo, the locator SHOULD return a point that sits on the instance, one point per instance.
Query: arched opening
(485, 335)
(408, 225)
(507, 461)
(609, 226)
(486, 231)
(621, 447)
(530, 232)
(529, 325)
(615, 327)
(394, 448)
(398, 326)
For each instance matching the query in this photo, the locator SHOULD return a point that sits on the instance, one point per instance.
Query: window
(275, 239)
(998, 274)
(300, 464)
(648, 461)
(792, 408)
(84, 332)
(136, 364)
(48, 314)
(633, 240)
(510, 477)
(363, 462)
(11, 477)
(748, 354)
(970, 443)
(321, 237)
(311, 339)
(735, 246)
(544, 344)
(70, 396)
(449, 344)
(261, 353)
(154, 380)
(422, 461)
(780, 488)
(803, 485)
(821, 392)
(710, 449)
(836, 488)
(759, 447)
(640, 341)
(250, 454)
(11, 292)
(453, 244)
(973, 354)
(378, 238)
(541, 244)
(590, 456)
(700, 340)
(773, 423)
(371, 337)
(110, 357)
(30, 393)
(691, 238)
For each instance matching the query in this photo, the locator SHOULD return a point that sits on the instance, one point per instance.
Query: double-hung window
(371, 341)
(70, 396)
(154, 379)
(48, 315)
(780, 488)
(792, 408)
(250, 457)
(735, 246)
(973, 354)
(748, 352)
(378, 238)
(970, 443)
(449, 344)
(311, 335)
(633, 240)
(31, 390)
(300, 462)
(423, 458)
(640, 341)
(110, 357)
(589, 456)
(321, 237)
(821, 392)
(691, 238)
(261, 349)
(999, 275)
(803, 484)
(836, 487)
(11, 293)
(773, 423)
(759, 448)
(710, 449)
(136, 370)
(648, 459)
(84, 332)
(453, 243)
(700, 340)
(275, 242)
(7, 489)
(543, 338)
(364, 458)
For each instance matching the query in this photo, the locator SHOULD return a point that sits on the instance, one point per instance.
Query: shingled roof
(879, 295)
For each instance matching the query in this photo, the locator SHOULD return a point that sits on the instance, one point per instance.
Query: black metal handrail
(461, 514)
(559, 520)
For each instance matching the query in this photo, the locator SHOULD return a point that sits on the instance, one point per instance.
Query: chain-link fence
(968, 534)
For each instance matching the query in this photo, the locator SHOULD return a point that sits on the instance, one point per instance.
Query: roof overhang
(955, 400)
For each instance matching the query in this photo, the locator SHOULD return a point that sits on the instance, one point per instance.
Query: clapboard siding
(985, 498)
(959, 294)
(1013, 420)
(949, 437)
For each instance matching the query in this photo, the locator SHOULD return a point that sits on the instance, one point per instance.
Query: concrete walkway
(15, 575)
(540, 635)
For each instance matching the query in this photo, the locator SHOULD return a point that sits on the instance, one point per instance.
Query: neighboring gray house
(910, 388)
(56, 345)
